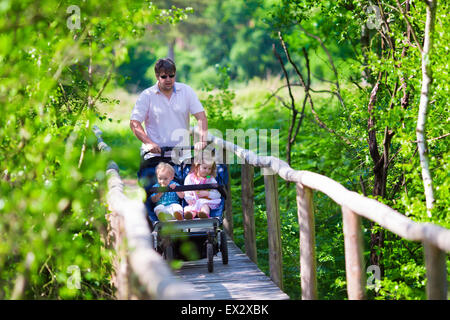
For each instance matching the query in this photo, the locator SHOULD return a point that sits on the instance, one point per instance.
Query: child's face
(204, 170)
(164, 177)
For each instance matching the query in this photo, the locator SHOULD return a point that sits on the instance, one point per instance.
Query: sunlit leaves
(51, 178)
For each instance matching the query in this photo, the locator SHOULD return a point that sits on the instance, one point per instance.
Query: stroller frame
(207, 234)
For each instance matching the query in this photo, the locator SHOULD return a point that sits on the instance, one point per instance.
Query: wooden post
(308, 276)
(228, 214)
(247, 172)
(274, 229)
(354, 261)
(435, 262)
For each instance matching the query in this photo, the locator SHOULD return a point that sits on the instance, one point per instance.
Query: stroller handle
(193, 187)
(167, 149)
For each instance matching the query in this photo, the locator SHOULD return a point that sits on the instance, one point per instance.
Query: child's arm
(203, 194)
(213, 193)
(180, 194)
(189, 196)
(156, 196)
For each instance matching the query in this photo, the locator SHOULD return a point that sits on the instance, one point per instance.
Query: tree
(57, 59)
(424, 103)
(377, 111)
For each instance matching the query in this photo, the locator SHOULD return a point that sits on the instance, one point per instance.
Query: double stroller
(186, 239)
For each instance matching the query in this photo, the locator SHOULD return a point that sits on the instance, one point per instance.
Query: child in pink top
(200, 202)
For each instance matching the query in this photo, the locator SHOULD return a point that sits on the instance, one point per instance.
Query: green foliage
(219, 102)
(52, 181)
(52, 217)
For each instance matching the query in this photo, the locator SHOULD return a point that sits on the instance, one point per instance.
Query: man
(165, 109)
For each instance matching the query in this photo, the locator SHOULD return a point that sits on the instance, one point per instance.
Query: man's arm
(139, 132)
(203, 126)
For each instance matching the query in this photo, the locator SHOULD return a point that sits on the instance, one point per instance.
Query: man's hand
(139, 132)
(152, 147)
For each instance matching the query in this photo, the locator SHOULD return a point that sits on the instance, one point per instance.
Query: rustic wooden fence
(435, 239)
(140, 272)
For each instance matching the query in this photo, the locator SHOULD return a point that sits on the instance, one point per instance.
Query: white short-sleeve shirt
(167, 121)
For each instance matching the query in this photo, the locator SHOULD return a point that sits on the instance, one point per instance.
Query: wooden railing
(435, 239)
(140, 272)
(152, 273)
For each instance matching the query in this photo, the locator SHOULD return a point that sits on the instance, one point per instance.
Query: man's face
(165, 81)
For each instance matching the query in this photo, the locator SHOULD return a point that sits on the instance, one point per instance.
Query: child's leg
(161, 212)
(204, 212)
(189, 212)
(176, 211)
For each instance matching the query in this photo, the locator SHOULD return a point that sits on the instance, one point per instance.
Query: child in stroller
(167, 204)
(206, 234)
(201, 202)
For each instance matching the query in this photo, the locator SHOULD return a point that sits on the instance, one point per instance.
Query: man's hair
(166, 65)
(162, 166)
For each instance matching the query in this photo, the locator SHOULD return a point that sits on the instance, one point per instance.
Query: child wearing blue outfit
(167, 203)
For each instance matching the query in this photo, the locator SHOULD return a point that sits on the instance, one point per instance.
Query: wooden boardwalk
(240, 279)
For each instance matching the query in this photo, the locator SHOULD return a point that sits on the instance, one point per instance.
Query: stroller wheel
(210, 256)
(224, 247)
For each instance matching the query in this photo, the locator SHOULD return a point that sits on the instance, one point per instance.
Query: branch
(286, 51)
(410, 26)
(286, 75)
(324, 126)
(330, 59)
(373, 145)
(276, 91)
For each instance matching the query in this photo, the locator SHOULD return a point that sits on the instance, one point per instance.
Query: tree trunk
(380, 170)
(171, 50)
(365, 46)
(423, 106)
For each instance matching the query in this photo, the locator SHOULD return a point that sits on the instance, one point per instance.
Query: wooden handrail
(129, 225)
(371, 209)
(436, 239)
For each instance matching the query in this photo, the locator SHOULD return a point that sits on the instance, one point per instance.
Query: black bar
(192, 187)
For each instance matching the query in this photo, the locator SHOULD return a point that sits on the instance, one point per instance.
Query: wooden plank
(247, 172)
(274, 229)
(354, 260)
(308, 276)
(239, 279)
(435, 262)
